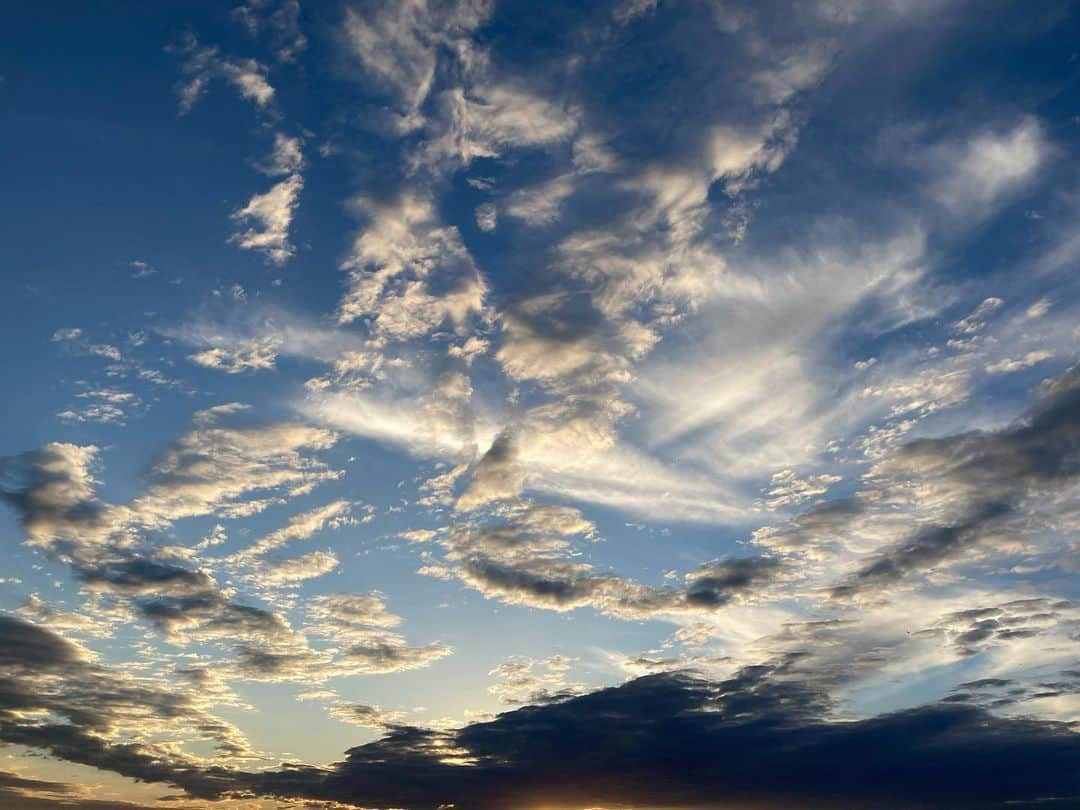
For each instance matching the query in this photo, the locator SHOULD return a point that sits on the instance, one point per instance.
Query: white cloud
(252, 355)
(399, 46)
(399, 261)
(1011, 364)
(541, 204)
(970, 177)
(205, 63)
(269, 216)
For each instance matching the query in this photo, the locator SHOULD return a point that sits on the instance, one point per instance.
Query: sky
(498, 405)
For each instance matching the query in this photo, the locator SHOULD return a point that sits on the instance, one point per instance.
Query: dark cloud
(760, 739)
(52, 490)
(525, 557)
(139, 575)
(28, 647)
(23, 793)
(54, 697)
(984, 478)
(391, 654)
(716, 584)
(972, 631)
(996, 693)
(673, 740)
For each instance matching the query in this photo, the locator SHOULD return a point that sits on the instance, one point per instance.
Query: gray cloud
(981, 479)
(756, 740)
(53, 696)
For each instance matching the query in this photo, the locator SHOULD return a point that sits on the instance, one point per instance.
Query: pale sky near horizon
(492, 404)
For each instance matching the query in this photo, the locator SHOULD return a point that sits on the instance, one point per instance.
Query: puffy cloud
(212, 469)
(364, 628)
(398, 263)
(349, 615)
(106, 406)
(53, 490)
(287, 157)
(137, 575)
(520, 681)
(269, 216)
(787, 489)
(253, 355)
(975, 481)
(38, 611)
(203, 63)
(973, 630)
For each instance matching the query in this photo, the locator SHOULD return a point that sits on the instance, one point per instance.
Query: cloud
(399, 44)
(350, 615)
(360, 714)
(53, 696)
(269, 216)
(487, 217)
(106, 406)
(974, 175)
(521, 681)
(492, 117)
(540, 205)
(978, 480)
(210, 469)
(497, 476)
(287, 157)
(213, 469)
(674, 740)
(52, 489)
(25, 793)
(787, 489)
(275, 573)
(398, 263)
(525, 557)
(333, 515)
(279, 22)
(254, 355)
(37, 610)
(361, 623)
(203, 63)
(931, 503)
(140, 576)
(1010, 365)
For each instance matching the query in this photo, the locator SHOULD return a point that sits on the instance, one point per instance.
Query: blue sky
(405, 400)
